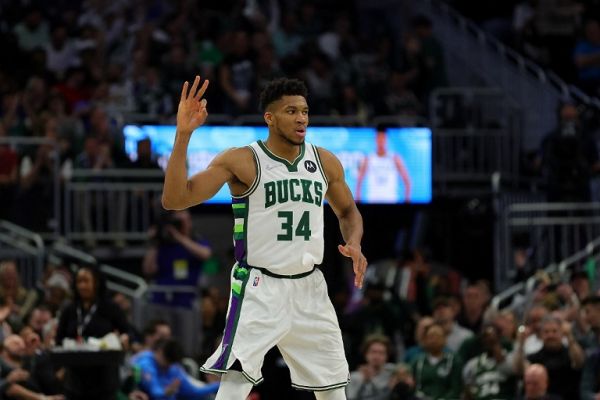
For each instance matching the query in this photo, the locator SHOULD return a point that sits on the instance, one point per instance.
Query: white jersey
(381, 179)
(279, 220)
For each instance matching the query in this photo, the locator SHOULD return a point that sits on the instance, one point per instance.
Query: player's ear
(268, 116)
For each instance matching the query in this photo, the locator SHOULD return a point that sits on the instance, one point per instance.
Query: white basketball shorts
(294, 314)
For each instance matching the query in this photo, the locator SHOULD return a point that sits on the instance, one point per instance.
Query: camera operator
(175, 258)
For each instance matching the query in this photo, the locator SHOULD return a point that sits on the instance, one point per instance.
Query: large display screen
(381, 167)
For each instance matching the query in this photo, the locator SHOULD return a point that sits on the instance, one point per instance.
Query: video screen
(390, 167)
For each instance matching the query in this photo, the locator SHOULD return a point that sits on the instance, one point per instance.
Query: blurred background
(504, 94)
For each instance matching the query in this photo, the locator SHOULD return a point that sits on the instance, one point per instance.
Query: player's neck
(282, 148)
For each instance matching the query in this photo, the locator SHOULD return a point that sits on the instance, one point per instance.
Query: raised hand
(359, 262)
(192, 112)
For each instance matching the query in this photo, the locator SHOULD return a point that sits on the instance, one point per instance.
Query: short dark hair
(171, 349)
(150, 328)
(280, 87)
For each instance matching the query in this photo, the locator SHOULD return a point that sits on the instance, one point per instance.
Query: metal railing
(116, 205)
(474, 58)
(23, 145)
(26, 248)
(116, 279)
(477, 139)
(552, 231)
(520, 293)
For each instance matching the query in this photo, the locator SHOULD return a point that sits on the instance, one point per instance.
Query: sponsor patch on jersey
(310, 166)
(256, 280)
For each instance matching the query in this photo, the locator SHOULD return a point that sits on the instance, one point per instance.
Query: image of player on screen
(379, 174)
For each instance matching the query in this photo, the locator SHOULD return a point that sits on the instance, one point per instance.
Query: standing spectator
(434, 74)
(33, 31)
(587, 58)
(436, 373)
(61, 53)
(569, 158)
(8, 175)
(372, 380)
(175, 258)
(236, 75)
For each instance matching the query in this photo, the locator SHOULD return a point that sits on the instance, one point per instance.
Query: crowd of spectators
(561, 35)
(79, 69)
(420, 333)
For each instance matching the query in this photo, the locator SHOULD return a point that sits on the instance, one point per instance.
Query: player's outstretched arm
(179, 192)
(344, 207)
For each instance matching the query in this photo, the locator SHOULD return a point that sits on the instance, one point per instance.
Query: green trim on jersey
(292, 167)
(254, 185)
(319, 163)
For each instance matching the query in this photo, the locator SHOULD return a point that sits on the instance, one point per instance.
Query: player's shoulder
(331, 164)
(325, 155)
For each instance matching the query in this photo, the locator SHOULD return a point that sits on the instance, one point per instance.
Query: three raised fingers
(193, 92)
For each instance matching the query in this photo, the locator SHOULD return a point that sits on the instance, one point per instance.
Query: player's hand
(359, 262)
(192, 112)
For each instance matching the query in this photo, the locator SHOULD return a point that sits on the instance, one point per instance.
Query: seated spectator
(589, 337)
(91, 314)
(536, 384)
(38, 317)
(412, 352)
(155, 330)
(436, 373)
(589, 387)
(57, 290)
(175, 258)
(444, 315)
(402, 384)
(48, 378)
(475, 299)
(490, 375)
(533, 343)
(16, 382)
(372, 379)
(163, 378)
(563, 363)
(20, 300)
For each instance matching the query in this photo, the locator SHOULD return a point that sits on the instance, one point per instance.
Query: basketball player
(380, 171)
(278, 297)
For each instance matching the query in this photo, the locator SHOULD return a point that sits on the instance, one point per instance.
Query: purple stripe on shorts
(228, 335)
